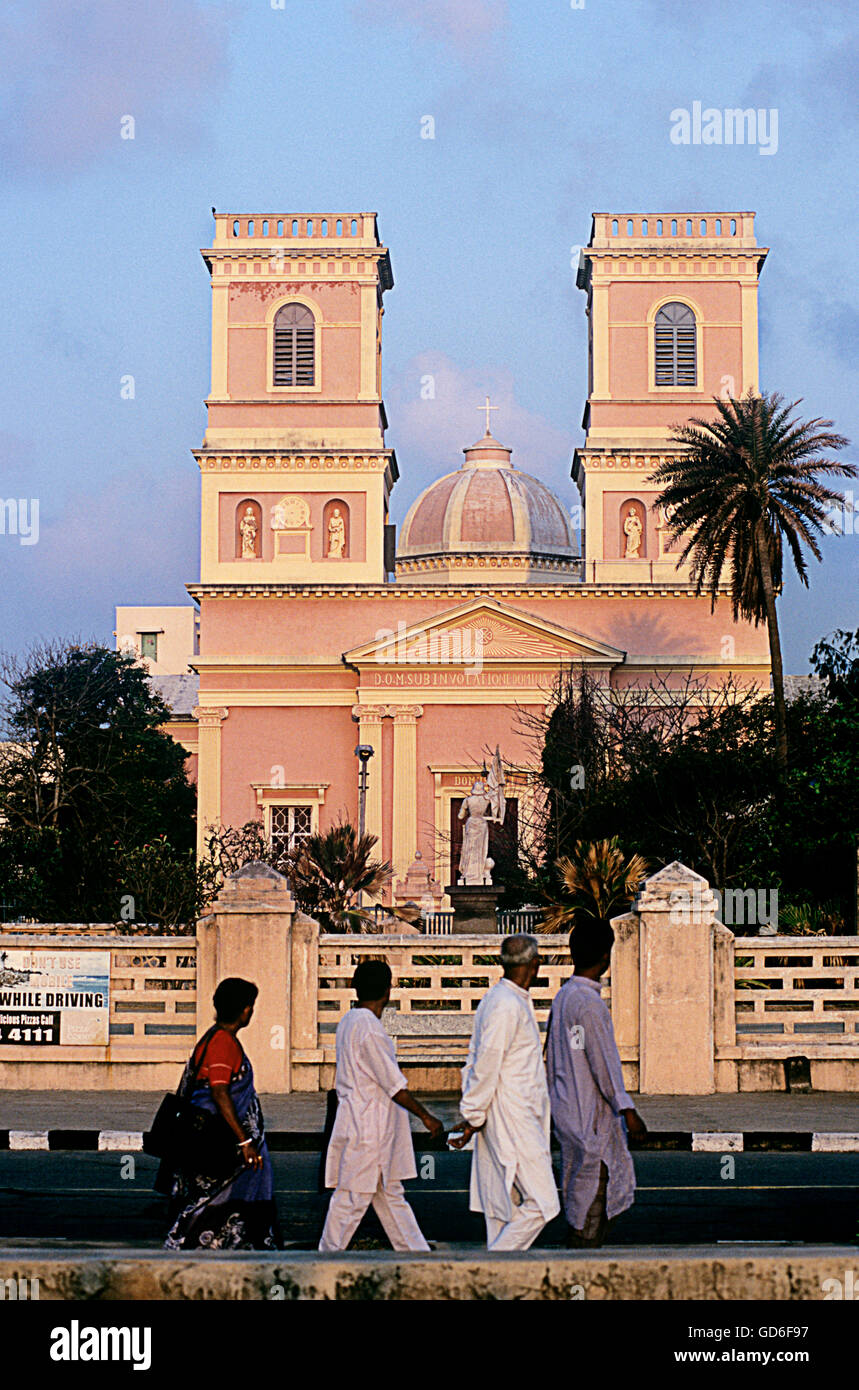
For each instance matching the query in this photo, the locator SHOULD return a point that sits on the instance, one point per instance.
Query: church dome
(487, 514)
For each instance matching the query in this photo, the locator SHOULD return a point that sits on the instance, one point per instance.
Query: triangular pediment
(504, 635)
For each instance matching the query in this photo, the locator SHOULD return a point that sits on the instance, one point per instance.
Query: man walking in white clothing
(505, 1103)
(371, 1150)
(591, 1110)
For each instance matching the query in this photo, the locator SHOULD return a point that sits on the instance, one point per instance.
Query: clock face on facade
(290, 513)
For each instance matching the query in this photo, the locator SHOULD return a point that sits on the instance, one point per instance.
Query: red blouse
(223, 1059)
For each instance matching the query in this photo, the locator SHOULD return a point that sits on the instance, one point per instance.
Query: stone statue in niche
(634, 531)
(248, 532)
(336, 535)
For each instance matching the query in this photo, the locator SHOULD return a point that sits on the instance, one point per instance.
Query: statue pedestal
(474, 908)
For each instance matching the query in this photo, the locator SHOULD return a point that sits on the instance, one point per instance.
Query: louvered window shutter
(675, 343)
(294, 346)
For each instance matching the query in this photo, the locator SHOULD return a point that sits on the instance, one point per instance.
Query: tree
(86, 775)
(743, 485)
(675, 770)
(227, 848)
(835, 659)
(330, 872)
(161, 888)
(817, 823)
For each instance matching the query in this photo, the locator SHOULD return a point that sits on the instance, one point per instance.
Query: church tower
(672, 305)
(296, 477)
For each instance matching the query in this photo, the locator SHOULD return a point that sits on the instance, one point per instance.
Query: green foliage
(753, 466)
(814, 829)
(673, 772)
(690, 775)
(812, 919)
(597, 881)
(161, 886)
(835, 660)
(227, 848)
(741, 487)
(328, 874)
(86, 777)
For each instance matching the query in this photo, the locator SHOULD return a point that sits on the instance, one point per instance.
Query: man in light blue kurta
(591, 1110)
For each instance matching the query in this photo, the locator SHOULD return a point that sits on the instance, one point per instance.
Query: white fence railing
(800, 988)
(436, 988)
(440, 923)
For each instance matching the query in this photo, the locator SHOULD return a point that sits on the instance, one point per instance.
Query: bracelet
(243, 1143)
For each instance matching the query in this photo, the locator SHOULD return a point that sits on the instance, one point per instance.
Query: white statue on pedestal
(475, 836)
(486, 803)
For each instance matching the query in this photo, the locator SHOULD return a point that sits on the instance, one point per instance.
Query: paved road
(682, 1199)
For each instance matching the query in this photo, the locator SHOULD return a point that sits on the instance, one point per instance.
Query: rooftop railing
(717, 228)
(246, 229)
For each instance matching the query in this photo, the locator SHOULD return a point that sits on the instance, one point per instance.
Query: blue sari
(236, 1212)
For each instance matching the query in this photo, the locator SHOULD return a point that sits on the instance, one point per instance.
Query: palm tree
(328, 874)
(599, 881)
(744, 483)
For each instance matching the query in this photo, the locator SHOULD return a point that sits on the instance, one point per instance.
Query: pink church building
(320, 630)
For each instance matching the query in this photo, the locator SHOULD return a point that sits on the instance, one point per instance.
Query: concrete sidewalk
(43, 1120)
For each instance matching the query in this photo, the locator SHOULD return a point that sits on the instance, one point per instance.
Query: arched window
(675, 346)
(294, 337)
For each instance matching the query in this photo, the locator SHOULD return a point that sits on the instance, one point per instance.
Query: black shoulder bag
(188, 1139)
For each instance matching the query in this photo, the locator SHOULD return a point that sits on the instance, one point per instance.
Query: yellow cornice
(395, 592)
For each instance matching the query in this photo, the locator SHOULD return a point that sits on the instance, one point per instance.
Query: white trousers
(347, 1208)
(519, 1232)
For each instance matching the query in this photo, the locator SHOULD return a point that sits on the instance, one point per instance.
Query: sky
(542, 111)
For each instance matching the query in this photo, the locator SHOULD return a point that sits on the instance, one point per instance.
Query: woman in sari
(218, 1209)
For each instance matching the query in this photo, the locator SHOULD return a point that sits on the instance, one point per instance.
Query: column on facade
(369, 342)
(220, 334)
(209, 720)
(369, 719)
(600, 342)
(404, 820)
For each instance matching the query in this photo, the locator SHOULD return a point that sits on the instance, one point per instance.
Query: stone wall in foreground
(672, 1273)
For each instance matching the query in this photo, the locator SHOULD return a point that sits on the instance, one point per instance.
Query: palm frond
(597, 881)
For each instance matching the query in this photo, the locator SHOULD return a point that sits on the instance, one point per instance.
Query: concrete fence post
(724, 1008)
(677, 983)
(625, 990)
(249, 931)
(304, 1040)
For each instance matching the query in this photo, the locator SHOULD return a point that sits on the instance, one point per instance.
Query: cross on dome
(487, 407)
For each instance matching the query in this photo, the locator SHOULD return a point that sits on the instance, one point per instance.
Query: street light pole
(363, 752)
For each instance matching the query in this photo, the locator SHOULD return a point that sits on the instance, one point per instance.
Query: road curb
(655, 1273)
(310, 1141)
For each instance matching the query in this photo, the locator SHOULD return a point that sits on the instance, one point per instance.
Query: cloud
(466, 26)
(429, 431)
(74, 69)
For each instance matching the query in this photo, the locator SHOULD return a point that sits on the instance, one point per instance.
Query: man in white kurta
(591, 1110)
(505, 1104)
(371, 1150)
